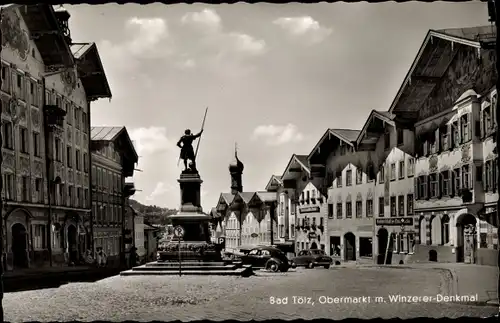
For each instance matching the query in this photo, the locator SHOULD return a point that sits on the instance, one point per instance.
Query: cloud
(207, 19)
(160, 189)
(305, 27)
(151, 140)
(274, 135)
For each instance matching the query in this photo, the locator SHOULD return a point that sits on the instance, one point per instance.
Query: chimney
(62, 16)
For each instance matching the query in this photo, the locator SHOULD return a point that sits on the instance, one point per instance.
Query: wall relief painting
(25, 165)
(13, 35)
(444, 168)
(57, 168)
(466, 153)
(433, 163)
(35, 117)
(77, 139)
(369, 196)
(38, 168)
(22, 113)
(14, 109)
(69, 134)
(339, 198)
(359, 197)
(68, 79)
(467, 71)
(348, 199)
(8, 160)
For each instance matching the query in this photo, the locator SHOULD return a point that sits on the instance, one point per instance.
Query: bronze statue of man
(187, 151)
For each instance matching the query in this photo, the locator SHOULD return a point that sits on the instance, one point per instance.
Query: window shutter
(485, 178)
(439, 185)
(426, 178)
(437, 140)
(416, 182)
(469, 129)
(482, 130)
(494, 173)
(452, 182)
(449, 128)
(494, 110)
(471, 170)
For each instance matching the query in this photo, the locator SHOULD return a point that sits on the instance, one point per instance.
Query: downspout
(497, 44)
(2, 257)
(91, 188)
(48, 164)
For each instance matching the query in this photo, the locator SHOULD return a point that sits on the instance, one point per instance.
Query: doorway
(72, 244)
(20, 245)
(466, 238)
(350, 246)
(383, 238)
(314, 245)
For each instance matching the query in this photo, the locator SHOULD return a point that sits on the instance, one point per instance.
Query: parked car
(313, 258)
(269, 258)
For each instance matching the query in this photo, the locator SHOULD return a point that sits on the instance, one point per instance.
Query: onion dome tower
(236, 170)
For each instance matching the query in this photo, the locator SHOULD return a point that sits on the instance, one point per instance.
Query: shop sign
(254, 235)
(394, 221)
(310, 209)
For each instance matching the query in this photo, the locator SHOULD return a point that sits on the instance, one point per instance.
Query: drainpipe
(1, 200)
(48, 164)
(497, 44)
(89, 165)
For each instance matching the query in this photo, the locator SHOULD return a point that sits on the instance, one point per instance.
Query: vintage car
(269, 258)
(313, 258)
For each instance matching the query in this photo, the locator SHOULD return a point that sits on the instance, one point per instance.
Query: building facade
(454, 186)
(113, 159)
(46, 96)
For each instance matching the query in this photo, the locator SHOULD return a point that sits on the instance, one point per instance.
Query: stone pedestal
(195, 244)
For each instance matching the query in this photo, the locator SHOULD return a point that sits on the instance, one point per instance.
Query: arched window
(436, 231)
(445, 229)
(421, 231)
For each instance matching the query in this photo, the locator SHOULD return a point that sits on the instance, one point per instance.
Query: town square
(189, 162)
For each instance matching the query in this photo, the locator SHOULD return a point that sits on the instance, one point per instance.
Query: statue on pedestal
(187, 151)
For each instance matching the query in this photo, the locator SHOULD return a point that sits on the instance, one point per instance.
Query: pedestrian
(133, 257)
(101, 257)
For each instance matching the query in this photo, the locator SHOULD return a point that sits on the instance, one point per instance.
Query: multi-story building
(312, 212)
(248, 218)
(446, 97)
(46, 95)
(113, 159)
(390, 148)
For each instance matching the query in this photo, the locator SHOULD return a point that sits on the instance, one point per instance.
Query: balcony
(54, 117)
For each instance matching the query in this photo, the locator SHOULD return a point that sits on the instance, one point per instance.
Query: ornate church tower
(236, 170)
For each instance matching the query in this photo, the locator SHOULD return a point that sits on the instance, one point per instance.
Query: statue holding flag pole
(185, 143)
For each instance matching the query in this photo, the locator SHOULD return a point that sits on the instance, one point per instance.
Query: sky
(274, 78)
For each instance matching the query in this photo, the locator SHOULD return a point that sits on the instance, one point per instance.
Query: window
(339, 210)
(458, 180)
(39, 236)
(70, 195)
(369, 208)
(381, 175)
(445, 183)
(400, 135)
(466, 177)
(445, 234)
(409, 204)
(77, 159)
(381, 207)
(445, 143)
(308, 196)
(401, 169)
(387, 139)
(487, 124)
(434, 188)
(77, 119)
(62, 195)
(488, 172)
(359, 176)
(94, 176)
(410, 241)
(9, 187)
(330, 211)
(359, 209)
(393, 171)
(411, 167)
(59, 102)
(6, 78)
(401, 243)
(25, 190)
(339, 180)
(401, 205)
(466, 127)
(348, 178)
(69, 157)
(33, 93)
(422, 193)
(38, 190)
(23, 137)
(85, 163)
(36, 144)
(84, 122)
(8, 140)
(455, 134)
(57, 149)
(393, 206)
(348, 211)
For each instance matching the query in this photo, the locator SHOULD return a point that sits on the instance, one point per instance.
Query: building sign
(310, 209)
(394, 221)
(312, 235)
(254, 235)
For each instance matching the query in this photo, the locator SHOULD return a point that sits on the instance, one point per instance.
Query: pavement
(335, 293)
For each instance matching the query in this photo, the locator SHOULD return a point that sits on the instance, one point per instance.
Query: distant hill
(153, 214)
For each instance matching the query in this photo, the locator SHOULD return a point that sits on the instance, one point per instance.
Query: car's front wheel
(310, 265)
(272, 265)
(327, 266)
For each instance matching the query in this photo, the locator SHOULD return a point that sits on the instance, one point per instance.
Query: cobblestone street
(188, 298)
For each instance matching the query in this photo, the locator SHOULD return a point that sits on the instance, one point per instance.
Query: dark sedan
(269, 258)
(313, 258)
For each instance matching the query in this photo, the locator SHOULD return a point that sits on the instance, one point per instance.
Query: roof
(435, 56)
(105, 133)
(90, 70)
(371, 137)
(228, 197)
(273, 183)
(347, 136)
(294, 162)
(246, 196)
(120, 137)
(267, 196)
